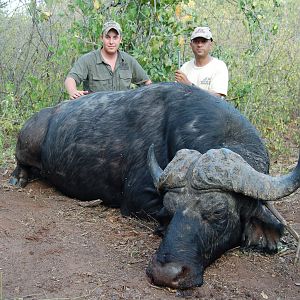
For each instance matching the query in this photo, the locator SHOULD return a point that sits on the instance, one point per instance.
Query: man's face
(111, 41)
(201, 47)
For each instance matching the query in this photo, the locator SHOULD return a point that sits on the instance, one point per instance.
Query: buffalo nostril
(180, 276)
(183, 272)
(172, 270)
(171, 274)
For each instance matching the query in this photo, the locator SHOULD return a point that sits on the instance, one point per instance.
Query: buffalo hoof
(13, 181)
(21, 182)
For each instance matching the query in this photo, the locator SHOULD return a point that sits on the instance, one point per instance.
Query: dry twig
(291, 230)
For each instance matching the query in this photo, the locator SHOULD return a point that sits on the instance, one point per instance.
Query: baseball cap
(203, 32)
(111, 25)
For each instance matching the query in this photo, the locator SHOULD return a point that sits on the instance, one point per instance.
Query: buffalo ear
(262, 232)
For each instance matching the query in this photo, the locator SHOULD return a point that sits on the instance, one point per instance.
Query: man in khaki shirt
(105, 69)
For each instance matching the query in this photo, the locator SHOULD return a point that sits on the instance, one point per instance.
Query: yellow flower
(45, 15)
(191, 4)
(181, 41)
(178, 10)
(186, 18)
(96, 4)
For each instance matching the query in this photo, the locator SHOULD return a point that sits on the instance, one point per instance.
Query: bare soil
(53, 248)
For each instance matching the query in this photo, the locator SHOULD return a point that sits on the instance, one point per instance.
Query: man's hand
(77, 94)
(181, 77)
(70, 85)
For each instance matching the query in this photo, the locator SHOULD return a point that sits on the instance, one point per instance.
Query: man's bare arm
(71, 88)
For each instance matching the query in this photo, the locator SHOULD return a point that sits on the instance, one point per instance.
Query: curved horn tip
(150, 153)
(151, 148)
(154, 168)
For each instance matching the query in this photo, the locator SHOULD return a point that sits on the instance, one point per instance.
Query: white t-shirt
(212, 77)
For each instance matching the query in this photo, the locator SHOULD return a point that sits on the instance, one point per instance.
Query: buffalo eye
(216, 218)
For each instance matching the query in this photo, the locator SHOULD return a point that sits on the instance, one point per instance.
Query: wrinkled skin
(96, 147)
(195, 237)
(206, 221)
(200, 234)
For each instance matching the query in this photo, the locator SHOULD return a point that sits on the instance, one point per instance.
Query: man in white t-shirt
(204, 71)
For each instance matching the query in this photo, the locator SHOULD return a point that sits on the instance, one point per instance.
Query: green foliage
(9, 125)
(264, 75)
(258, 40)
(153, 25)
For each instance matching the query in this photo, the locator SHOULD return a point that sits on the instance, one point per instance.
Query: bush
(257, 39)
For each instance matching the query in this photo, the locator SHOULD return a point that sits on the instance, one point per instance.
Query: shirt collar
(99, 59)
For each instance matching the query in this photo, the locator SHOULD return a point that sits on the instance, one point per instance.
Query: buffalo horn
(155, 169)
(226, 170)
(273, 188)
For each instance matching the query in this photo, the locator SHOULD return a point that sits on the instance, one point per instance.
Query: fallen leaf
(92, 203)
(264, 295)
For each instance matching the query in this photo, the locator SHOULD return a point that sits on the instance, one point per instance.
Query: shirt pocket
(125, 79)
(100, 83)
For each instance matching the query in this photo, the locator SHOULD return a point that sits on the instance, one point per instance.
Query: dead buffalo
(207, 197)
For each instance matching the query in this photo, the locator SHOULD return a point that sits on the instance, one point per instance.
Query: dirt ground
(53, 248)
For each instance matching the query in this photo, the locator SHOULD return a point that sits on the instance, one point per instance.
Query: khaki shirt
(96, 75)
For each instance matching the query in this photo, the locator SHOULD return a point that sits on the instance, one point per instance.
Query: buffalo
(204, 179)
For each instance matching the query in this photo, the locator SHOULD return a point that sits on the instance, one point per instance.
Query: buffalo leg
(28, 149)
(22, 174)
(142, 199)
(19, 176)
